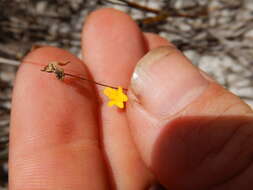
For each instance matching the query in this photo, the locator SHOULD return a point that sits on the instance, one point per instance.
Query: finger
(112, 44)
(54, 135)
(191, 132)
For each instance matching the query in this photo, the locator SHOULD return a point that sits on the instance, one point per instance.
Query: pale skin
(64, 136)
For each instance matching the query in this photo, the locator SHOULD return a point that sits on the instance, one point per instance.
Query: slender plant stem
(98, 83)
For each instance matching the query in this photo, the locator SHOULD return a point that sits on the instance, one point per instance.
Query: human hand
(180, 128)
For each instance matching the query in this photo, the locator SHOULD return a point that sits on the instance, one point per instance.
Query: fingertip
(107, 13)
(106, 17)
(41, 92)
(112, 44)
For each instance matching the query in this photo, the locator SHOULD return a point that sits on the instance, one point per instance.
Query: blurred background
(217, 35)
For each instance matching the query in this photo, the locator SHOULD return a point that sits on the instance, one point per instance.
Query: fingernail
(164, 82)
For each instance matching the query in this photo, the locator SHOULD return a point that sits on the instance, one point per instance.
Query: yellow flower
(116, 96)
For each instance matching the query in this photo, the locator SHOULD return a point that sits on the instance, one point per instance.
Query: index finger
(54, 141)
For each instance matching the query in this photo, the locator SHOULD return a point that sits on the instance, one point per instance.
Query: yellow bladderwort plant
(116, 96)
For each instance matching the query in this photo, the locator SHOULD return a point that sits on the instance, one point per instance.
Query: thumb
(190, 131)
